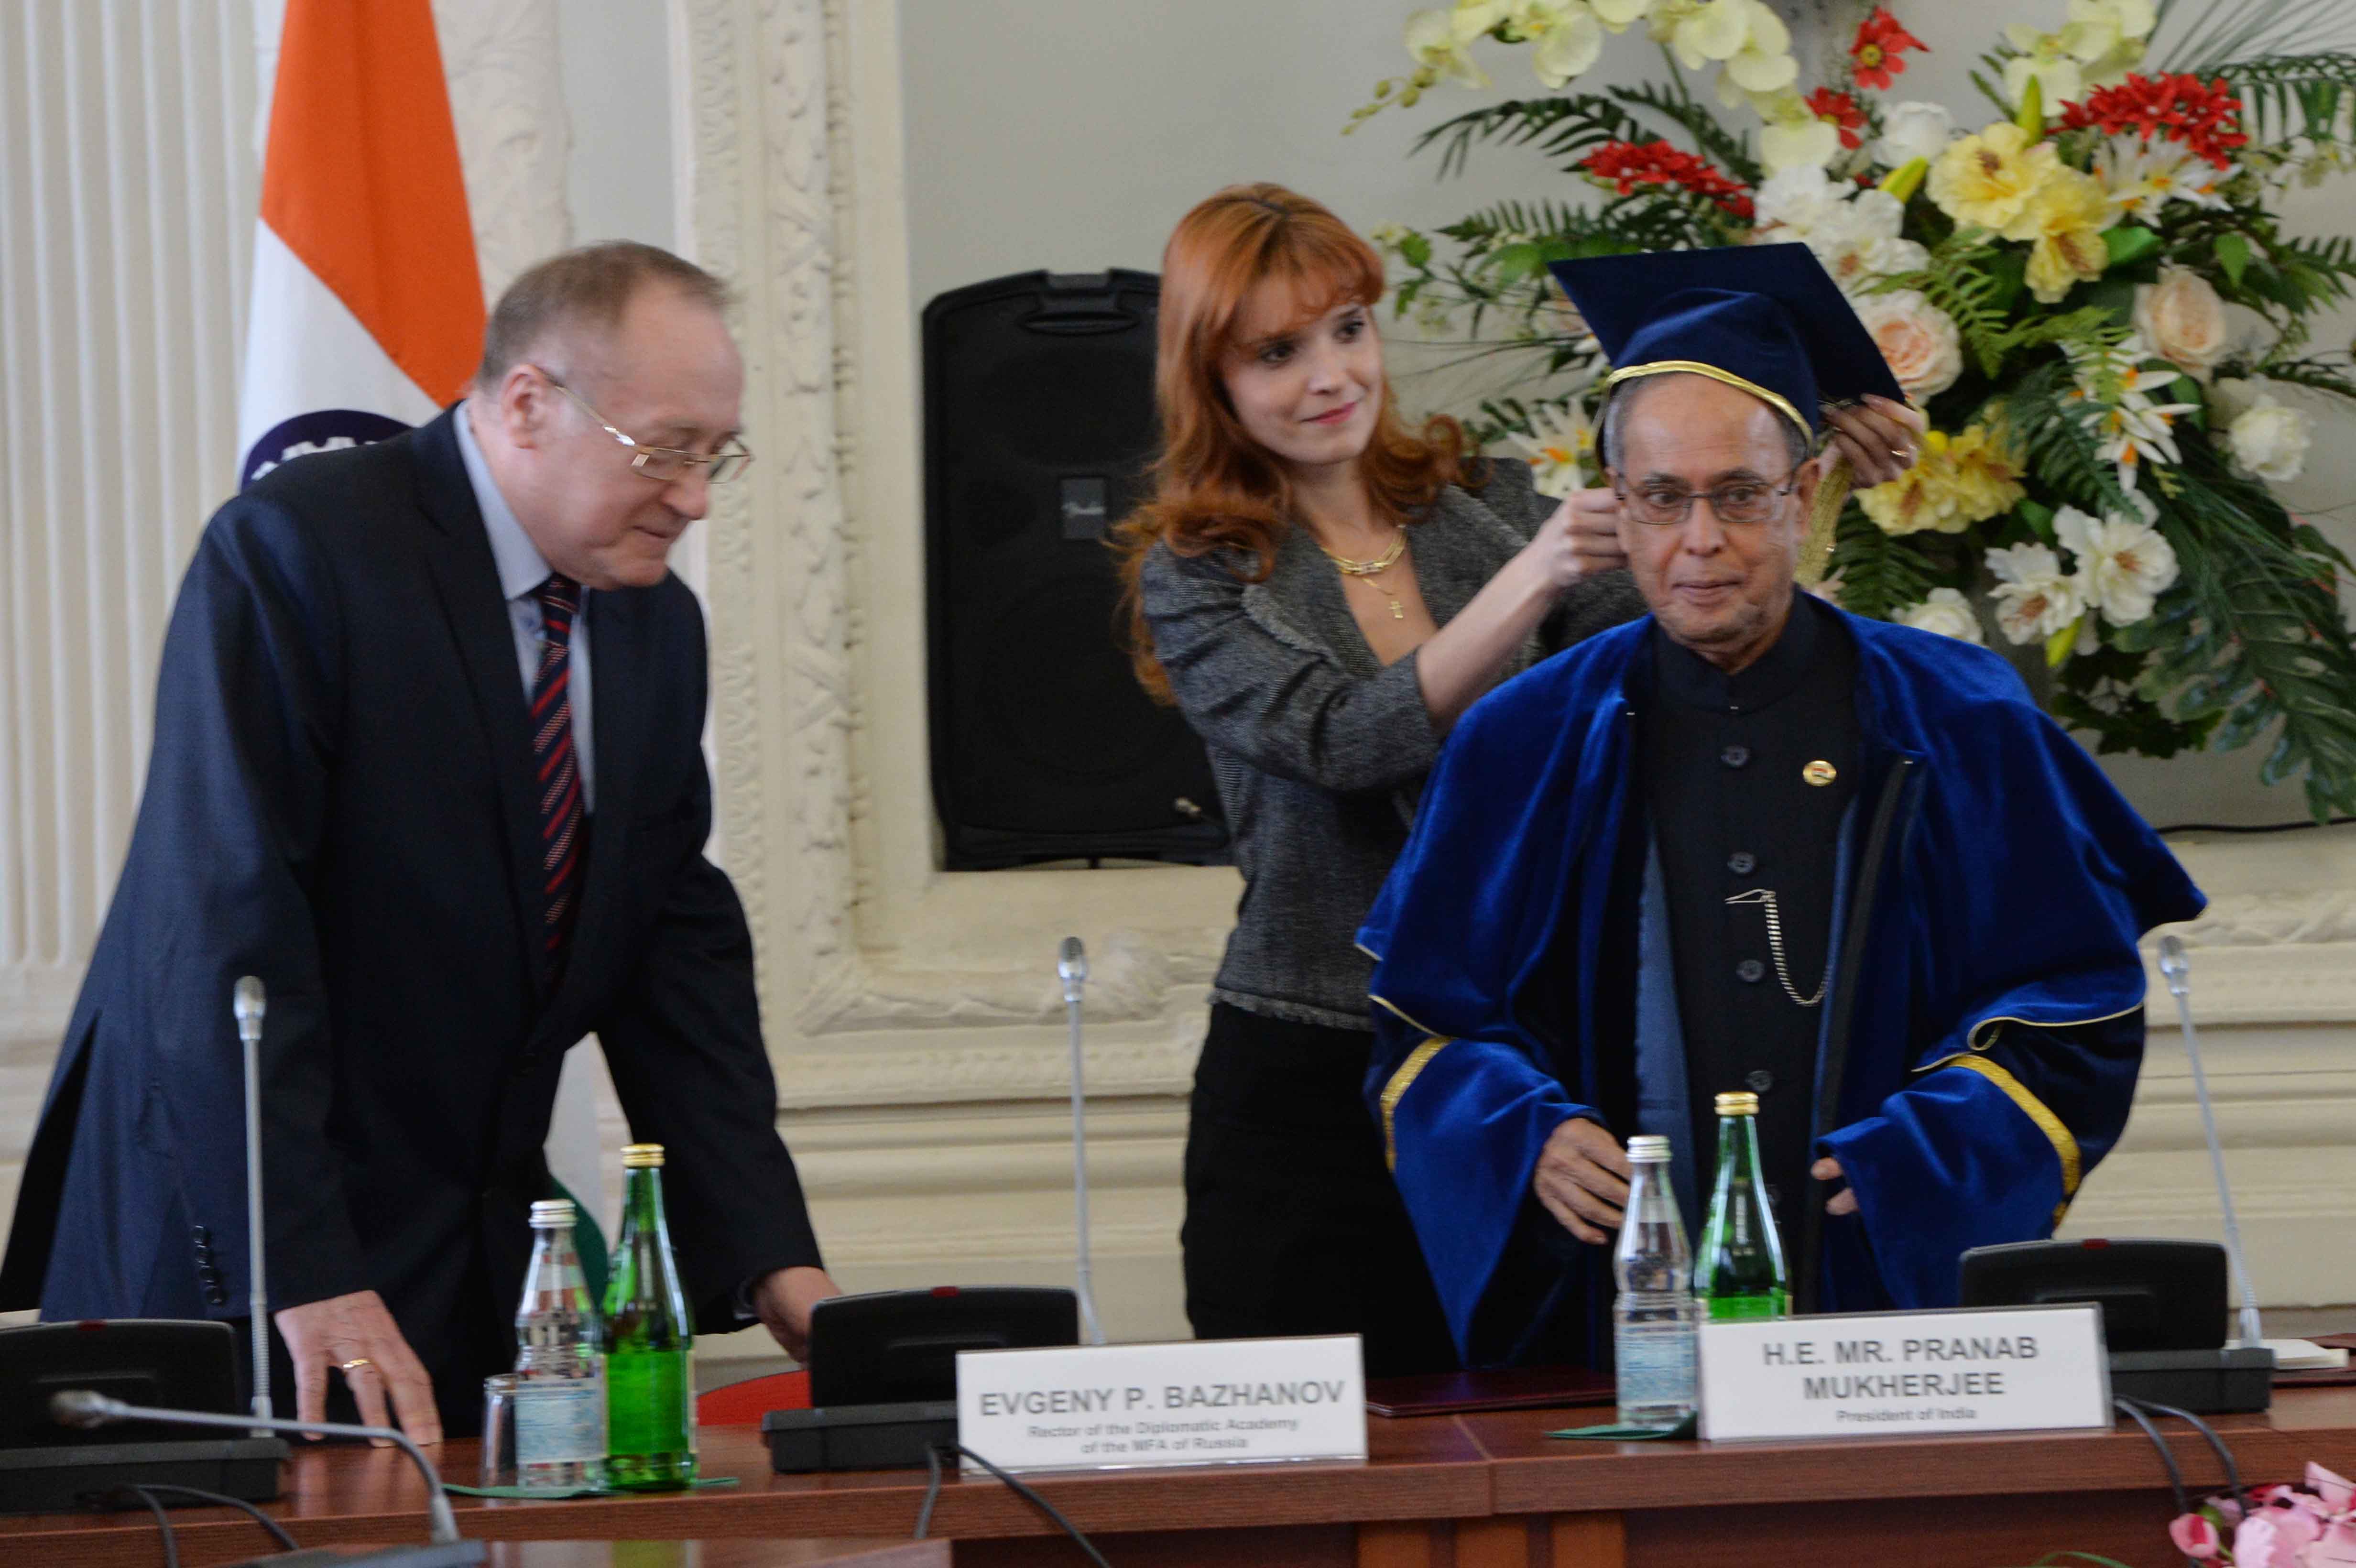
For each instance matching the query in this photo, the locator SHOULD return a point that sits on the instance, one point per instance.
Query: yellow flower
(1957, 481)
(2066, 216)
(1925, 497)
(1989, 179)
(1987, 474)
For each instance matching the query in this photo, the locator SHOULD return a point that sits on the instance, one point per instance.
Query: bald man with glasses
(427, 762)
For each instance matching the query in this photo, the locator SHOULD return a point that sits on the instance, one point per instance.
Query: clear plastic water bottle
(560, 1400)
(1654, 1323)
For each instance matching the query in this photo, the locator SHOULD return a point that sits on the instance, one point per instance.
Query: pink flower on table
(2335, 1548)
(2337, 1492)
(2275, 1537)
(2194, 1536)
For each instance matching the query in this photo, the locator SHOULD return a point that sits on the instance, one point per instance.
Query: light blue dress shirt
(522, 570)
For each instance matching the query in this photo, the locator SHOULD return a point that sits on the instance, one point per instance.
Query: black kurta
(1733, 773)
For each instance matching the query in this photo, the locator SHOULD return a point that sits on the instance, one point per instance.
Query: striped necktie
(556, 767)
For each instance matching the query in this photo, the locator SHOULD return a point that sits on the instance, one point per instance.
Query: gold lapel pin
(1820, 772)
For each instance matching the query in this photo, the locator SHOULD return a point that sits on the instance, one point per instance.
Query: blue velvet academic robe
(1993, 888)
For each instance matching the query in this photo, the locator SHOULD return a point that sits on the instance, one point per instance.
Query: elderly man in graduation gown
(1751, 842)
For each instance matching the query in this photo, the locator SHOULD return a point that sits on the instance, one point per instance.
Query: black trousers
(1293, 1224)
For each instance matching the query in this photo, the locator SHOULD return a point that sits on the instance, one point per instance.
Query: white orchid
(1794, 137)
(2124, 564)
(2034, 598)
(1620, 14)
(1438, 42)
(2043, 57)
(2142, 178)
(2131, 428)
(1570, 42)
(1946, 612)
(1855, 233)
(1560, 445)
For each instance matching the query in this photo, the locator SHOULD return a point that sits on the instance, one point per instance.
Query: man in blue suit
(427, 762)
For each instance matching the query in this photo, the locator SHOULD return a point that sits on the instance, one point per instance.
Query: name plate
(1212, 1401)
(1884, 1374)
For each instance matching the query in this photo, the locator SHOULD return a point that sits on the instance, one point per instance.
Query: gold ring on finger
(355, 1365)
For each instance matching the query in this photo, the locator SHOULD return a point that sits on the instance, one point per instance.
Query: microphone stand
(2177, 972)
(80, 1407)
(1072, 969)
(248, 1006)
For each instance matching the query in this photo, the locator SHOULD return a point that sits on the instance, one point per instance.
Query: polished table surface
(1471, 1490)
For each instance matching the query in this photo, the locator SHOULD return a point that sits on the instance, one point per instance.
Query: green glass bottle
(1739, 1273)
(650, 1342)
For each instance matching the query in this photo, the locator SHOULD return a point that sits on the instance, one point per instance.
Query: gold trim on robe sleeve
(1393, 1091)
(2066, 1142)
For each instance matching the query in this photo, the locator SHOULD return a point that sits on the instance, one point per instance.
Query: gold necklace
(1370, 569)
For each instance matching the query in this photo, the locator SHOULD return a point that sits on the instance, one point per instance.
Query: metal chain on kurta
(1765, 897)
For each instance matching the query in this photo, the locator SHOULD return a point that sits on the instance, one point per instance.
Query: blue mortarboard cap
(1767, 318)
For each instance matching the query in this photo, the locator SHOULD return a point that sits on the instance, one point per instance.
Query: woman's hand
(1880, 438)
(1581, 540)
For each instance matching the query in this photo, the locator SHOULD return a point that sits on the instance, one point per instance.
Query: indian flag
(368, 311)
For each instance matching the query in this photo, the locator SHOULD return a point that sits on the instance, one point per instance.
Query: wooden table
(1478, 1491)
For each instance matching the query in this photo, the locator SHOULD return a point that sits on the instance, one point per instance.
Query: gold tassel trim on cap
(1823, 522)
(1775, 400)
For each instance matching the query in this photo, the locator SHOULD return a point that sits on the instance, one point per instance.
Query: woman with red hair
(1323, 591)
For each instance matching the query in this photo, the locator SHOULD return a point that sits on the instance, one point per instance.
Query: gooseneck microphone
(248, 1006)
(1072, 969)
(2177, 972)
(81, 1407)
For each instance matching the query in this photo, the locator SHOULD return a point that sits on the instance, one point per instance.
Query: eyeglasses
(665, 464)
(1742, 502)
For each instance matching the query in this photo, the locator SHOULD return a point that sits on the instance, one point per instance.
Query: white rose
(1798, 198)
(1919, 340)
(2184, 319)
(2033, 599)
(1912, 131)
(1947, 613)
(2270, 440)
(2124, 564)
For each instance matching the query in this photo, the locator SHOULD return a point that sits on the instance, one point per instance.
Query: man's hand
(1880, 438)
(784, 1298)
(1582, 1180)
(1841, 1203)
(356, 1335)
(1580, 541)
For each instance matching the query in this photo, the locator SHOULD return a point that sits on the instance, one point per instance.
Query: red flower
(1841, 109)
(1880, 40)
(2207, 120)
(1624, 165)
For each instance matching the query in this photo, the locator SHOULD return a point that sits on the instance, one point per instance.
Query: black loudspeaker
(1039, 425)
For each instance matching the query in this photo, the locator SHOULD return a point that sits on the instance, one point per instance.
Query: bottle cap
(1742, 1103)
(1648, 1148)
(642, 1156)
(557, 1213)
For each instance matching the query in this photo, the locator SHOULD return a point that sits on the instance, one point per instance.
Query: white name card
(1885, 1374)
(1212, 1401)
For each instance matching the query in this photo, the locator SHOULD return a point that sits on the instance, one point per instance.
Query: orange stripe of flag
(362, 181)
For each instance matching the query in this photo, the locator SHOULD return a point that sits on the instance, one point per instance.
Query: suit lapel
(458, 553)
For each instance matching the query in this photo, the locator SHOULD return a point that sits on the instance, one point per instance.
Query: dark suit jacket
(339, 802)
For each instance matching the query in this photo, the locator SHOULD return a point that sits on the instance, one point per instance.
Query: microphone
(249, 1005)
(1072, 969)
(85, 1408)
(2177, 972)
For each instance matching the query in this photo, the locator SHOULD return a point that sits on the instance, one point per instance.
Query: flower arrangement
(2309, 1526)
(2088, 289)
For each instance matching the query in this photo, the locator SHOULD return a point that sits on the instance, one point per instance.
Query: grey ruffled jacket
(1319, 750)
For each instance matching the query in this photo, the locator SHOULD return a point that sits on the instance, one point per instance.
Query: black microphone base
(2207, 1382)
(858, 1436)
(72, 1477)
(456, 1554)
